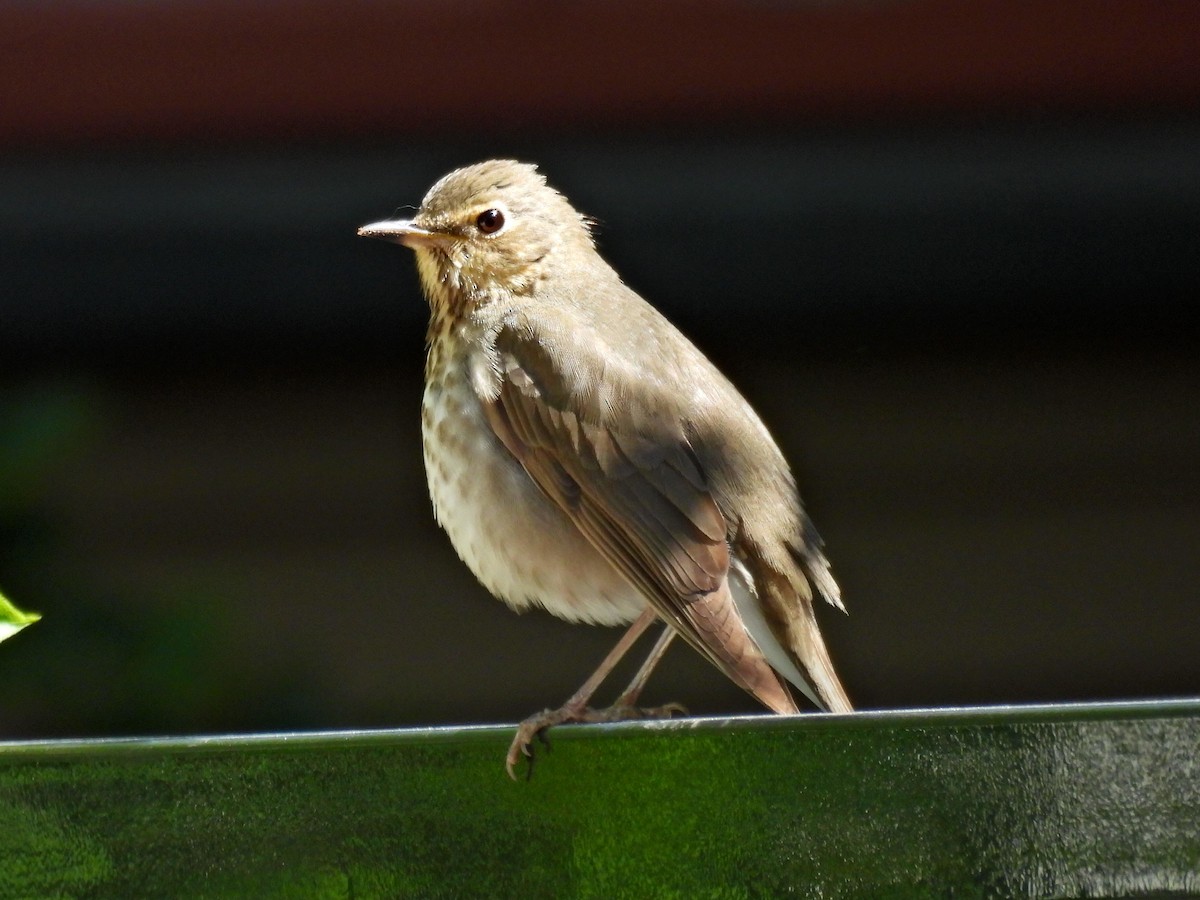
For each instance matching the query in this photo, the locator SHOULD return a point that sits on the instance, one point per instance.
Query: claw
(519, 748)
(533, 727)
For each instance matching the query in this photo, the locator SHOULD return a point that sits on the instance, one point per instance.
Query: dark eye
(490, 221)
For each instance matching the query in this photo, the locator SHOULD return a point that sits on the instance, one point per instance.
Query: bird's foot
(535, 726)
(620, 712)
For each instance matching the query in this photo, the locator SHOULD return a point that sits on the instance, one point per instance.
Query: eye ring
(490, 221)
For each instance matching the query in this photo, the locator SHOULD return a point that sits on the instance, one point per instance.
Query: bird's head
(492, 228)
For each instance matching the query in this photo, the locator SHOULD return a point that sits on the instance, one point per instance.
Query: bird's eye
(490, 221)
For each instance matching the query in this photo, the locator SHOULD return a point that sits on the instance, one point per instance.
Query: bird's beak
(403, 231)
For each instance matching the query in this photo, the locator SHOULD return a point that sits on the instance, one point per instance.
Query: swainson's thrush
(585, 457)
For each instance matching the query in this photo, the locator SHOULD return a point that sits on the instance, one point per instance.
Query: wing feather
(643, 501)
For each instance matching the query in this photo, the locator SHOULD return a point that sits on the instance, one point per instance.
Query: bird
(585, 457)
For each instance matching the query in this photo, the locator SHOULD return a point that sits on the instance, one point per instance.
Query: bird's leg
(576, 708)
(627, 702)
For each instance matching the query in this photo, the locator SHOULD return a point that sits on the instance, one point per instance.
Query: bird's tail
(777, 614)
(790, 598)
(813, 657)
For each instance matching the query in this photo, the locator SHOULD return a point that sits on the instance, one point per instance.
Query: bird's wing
(643, 501)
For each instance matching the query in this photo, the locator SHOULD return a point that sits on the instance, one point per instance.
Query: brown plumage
(585, 457)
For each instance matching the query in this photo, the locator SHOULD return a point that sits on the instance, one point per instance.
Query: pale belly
(519, 545)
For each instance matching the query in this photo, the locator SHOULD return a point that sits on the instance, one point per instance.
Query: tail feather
(778, 612)
(811, 653)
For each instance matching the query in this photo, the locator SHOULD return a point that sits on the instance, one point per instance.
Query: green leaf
(12, 619)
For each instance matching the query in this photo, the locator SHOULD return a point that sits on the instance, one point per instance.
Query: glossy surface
(1055, 801)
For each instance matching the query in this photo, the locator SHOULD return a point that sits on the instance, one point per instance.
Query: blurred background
(950, 251)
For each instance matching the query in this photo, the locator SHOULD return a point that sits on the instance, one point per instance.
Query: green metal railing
(1055, 801)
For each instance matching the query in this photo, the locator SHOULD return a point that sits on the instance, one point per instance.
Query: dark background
(950, 251)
